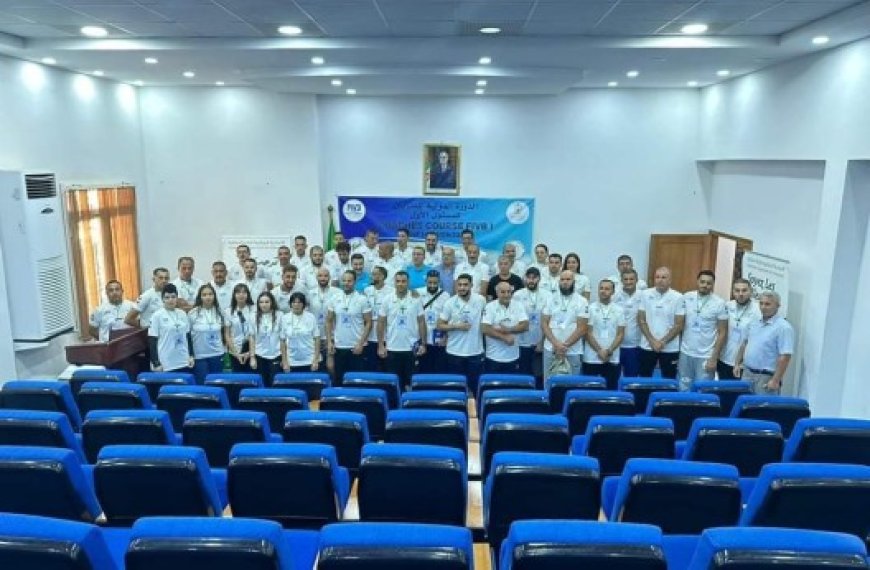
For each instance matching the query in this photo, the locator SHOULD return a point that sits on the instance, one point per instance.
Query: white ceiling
(425, 47)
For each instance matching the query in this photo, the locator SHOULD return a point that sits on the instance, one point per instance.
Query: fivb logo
(353, 211)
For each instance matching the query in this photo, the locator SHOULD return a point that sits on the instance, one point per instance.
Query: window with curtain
(104, 244)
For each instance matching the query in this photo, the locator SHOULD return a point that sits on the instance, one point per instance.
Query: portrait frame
(435, 181)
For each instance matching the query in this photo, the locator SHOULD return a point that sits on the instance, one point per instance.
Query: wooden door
(685, 254)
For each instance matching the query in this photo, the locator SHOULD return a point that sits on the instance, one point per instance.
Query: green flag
(330, 234)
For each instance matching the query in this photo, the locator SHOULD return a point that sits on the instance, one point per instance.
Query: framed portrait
(441, 167)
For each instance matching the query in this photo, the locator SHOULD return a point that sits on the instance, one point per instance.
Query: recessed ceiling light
(98, 72)
(692, 83)
(633, 73)
(151, 60)
(490, 30)
(694, 29)
(481, 82)
(139, 83)
(290, 30)
(49, 60)
(336, 82)
(479, 91)
(821, 40)
(318, 60)
(485, 60)
(723, 72)
(219, 83)
(189, 74)
(94, 31)
(613, 83)
(351, 91)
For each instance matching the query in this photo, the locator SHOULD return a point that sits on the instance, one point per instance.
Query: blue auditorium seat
(135, 481)
(777, 548)
(113, 396)
(312, 383)
(153, 381)
(683, 408)
(813, 496)
(613, 440)
(178, 400)
(218, 544)
(436, 400)
(299, 485)
(42, 543)
(524, 486)
(513, 401)
(394, 546)
(45, 395)
(641, 388)
(401, 482)
(559, 385)
(234, 383)
(523, 432)
(580, 405)
(784, 410)
(504, 382)
(125, 427)
(39, 429)
(347, 432)
(749, 445)
(680, 497)
(275, 402)
(439, 382)
(79, 377)
(389, 383)
(428, 427)
(568, 544)
(46, 481)
(829, 440)
(727, 390)
(371, 402)
(217, 431)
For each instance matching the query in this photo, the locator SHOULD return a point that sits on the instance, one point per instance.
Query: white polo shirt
(604, 323)
(549, 282)
(370, 255)
(206, 326)
(308, 276)
(479, 274)
(339, 269)
(401, 315)
(703, 314)
(766, 342)
(617, 280)
(318, 305)
(282, 297)
(267, 335)
(108, 317)
(533, 303)
(300, 262)
(739, 318)
(299, 333)
(349, 312)
(564, 312)
(404, 257)
(497, 315)
(391, 266)
(149, 303)
(240, 323)
(275, 275)
(629, 305)
(455, 311)
(236, 273)
(375, 298)
(433, 258)
(170, 328)
(255, 286)
(431, 311)
(582, 283)
(187, 290)
(661, 310)
(224, 294)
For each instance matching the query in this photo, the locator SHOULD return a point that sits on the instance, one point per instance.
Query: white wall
(607, 167)
(225, 161)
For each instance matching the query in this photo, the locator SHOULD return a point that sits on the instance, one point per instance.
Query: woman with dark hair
(237, 327)
(300, 338)
(169, 335)
(206, 325)
(581, 282)
(265, 338)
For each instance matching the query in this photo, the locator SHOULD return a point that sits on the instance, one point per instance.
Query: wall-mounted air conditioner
(38, 282)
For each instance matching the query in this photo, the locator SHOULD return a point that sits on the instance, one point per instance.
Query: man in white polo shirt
(431, 251)
(150, 301)
(550, 277)
(742, 310)
(379, 289)
(625, 263)
(432, 299)
(348, 324)
(300, 255)
(223, 289)
(564, 321)
(110, 315)
(474, 268)
(274, 275)
(628, 299)
(285, 288)
(256, 285)
(503, 320)
(531, 342)
(369, 250)
(704, 333)
(319, 300)
(401, 325)
(660, 318)
(187, 285)
(604, 336)
(460, 318)
(766, 351)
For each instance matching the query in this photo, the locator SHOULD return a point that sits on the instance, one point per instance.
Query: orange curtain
(104, 244)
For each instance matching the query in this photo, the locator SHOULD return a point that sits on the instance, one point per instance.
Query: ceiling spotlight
(613, 83)
(821, 40)
(723, 72)
(481, 82)
(317, 60)
(633, 73)
(351, 91)
(290, 30)
(49, 60)
(479, 91)
(139, 83)
(151, 60)
(98, 72)
(189, 74)
(336, 82)
(692, 83)
(485, 60)
(694, 29)
(94, 31)
(490, 30)
(219, 83)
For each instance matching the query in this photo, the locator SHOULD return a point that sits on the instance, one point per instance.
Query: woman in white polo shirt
(265, 338)
(206, 326)
(169, 335)
(300, 337)
(581, 282)
(237, 327)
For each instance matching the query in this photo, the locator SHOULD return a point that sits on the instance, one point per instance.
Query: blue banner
(494, 221)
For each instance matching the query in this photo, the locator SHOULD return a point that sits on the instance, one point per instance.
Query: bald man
(503, 319)
(660, 317)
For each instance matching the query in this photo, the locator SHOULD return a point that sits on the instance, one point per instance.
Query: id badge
(321, 319)
(464, 317)
(346, 321)
(402, 321)
(534, 319)
(179, 341)
(212, 337)
(430, 319)
(696, 325)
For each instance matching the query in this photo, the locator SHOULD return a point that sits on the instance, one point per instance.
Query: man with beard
(502, 321)
(625, 263)
(348, 324)
(290, 283)
(401, 324)
(110, 315)
(319, 300)
(531, 342)
(256, 285)
(223, 289)
(341, 263)
(150, 301)
(432, 299)
(604, 336)
(563, 323)
(460, 319)
(308, 276)
(403, 250)
(628, 299)
(375, 294)
(550, 276)
(431, 253)
(742, 310)
(661, 316)
(704, 333)
(362, 278)
(299, 258)
(237, 272)
(276, 274)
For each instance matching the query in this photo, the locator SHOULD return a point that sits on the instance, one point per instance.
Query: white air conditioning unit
(38, 282)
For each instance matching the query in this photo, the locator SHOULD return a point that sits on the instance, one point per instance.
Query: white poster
(263, 248)
(767, 273)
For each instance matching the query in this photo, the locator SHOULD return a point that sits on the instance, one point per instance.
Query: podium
(124, 351)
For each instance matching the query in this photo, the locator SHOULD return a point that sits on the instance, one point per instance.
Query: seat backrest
(312, 383)
(347, 432)
(523, 432)
(125, 427)
(275, 402)
(615, 440)
(727, 390)
(829, 440)
(641, 388)
(387, 382)
(561, 545)
(38, 429)
(45, 395)
(428, 427)
(234, 383)
(45, 481)
(784, 410)
(215, 544)
(113, 396)
(52, 544)
(436, 400)
(680, 497)
(295, 484)
(394, 546)
(504, 382)
(683, 408)
(580, 405)
(153, 381)
(371, 402)
(80, 377)
(217, 431)
(413, 483)
(178, 400)
(439, 382)
(513, 401)
(135, 481)
(539, 486)
(559, 385)
(775, 548)
(749, 445)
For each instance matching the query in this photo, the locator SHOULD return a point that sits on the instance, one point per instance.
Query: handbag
(559, 366)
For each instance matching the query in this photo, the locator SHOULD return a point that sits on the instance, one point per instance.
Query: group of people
(400, 308)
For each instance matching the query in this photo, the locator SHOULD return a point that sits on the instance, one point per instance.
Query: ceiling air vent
(40, 186)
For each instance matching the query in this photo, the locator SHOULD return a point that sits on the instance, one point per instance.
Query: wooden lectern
(124, 351)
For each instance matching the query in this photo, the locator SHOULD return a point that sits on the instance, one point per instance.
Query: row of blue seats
(240, 544)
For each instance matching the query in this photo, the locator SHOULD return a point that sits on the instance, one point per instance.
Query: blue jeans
(205, 366)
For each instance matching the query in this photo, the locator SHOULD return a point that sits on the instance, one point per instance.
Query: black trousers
(495, 367)
(434, 361)
(401, 363)
(471, 366)
(607, 370)
(725, 371)
(531, 363)
(667, 361)
(267, 368)
(347, 361)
